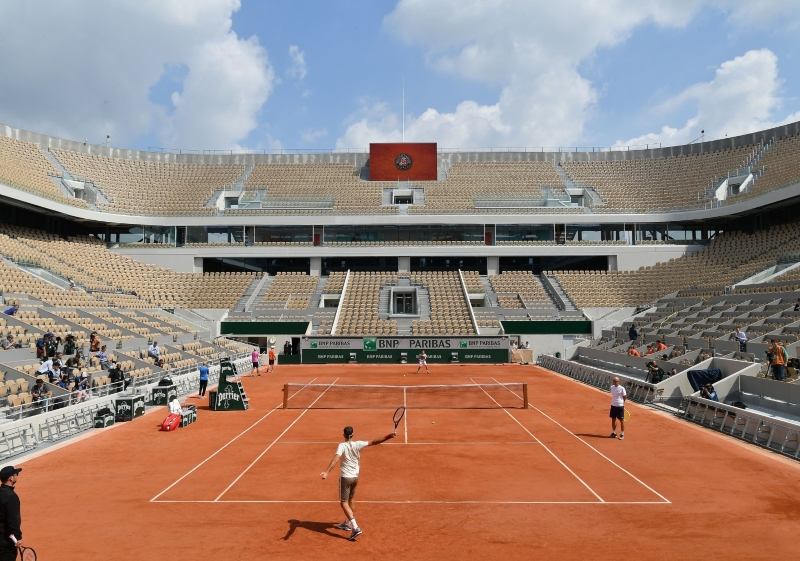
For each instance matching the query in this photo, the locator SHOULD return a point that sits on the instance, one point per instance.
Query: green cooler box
(129, 407)
(161, 395)
(102, 421)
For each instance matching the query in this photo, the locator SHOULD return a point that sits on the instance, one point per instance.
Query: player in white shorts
(423, 361)
(348, 454)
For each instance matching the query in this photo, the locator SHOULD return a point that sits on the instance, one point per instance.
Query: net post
(285, 396)
(525, 396)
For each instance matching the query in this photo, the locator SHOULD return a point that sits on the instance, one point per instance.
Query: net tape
(445, 396)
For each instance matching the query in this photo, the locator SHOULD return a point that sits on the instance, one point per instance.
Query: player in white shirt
(348, 454)
(423, 361)
(618, 397)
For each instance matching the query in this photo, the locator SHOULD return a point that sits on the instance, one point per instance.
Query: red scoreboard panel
(404, 161)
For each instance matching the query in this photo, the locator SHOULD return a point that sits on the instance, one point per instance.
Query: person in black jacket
(633, 333)
(10, 517)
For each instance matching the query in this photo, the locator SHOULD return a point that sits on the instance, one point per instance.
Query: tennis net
(452, 396)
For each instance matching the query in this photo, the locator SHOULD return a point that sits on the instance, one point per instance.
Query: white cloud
(298, 70)
(743, 96)
(529, 50)
(310, 136)
(91, 69)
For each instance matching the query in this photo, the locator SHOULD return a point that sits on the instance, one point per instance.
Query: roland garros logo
(403, 162)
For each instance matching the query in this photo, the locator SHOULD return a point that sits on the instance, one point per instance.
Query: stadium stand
(172, 189)
(106, 274)
(25, 166)
(449, 308)
(315, 188)
(779, 167)
(359, 308)
(656, 184)
(732, 257)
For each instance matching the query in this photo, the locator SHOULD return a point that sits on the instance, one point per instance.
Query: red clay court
(510, 483)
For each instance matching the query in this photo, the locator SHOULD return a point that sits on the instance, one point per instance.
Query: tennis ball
(433, 422)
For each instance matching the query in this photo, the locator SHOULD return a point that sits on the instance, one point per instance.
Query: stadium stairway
(242, 304)
(491, 295)
(43, 274)
(316, 297)
(556, 293)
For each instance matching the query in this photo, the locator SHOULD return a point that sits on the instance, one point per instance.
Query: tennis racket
(626, 416)
(27, 554)
(398, 416)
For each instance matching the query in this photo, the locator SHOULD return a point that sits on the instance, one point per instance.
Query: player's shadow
(605, 436)
(319, 527)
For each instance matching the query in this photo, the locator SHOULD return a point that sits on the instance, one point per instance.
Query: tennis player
(423, 361)
(348, 454)
(618, 397)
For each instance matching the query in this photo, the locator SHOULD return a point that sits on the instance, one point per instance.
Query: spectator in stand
(650, 349)
(69, 344)
(673, 372)
(40, 393)
(40, 352)
(203, 380)
(740, 337)
(287, 348)
(117, 378)
(81, 388)
(155, 353)
(63, 382)
(708, 392)
(527, 344)
(102, 355)
(660, 346)
(633, 352)
(12, 310)
(778, 359)
(8, 343)
(76, 362)
(796, 306)
(654, 373)
(94, 342)
(271, 357)
(255, 357)
(47, 368)
(50, 344)
(633, 334)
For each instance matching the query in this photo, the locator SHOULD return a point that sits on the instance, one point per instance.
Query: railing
(638, 390)
(17, 440)
(749, 426)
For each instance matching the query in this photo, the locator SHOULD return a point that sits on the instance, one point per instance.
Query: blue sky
(225, 74)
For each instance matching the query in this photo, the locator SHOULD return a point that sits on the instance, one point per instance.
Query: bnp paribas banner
(404, 343)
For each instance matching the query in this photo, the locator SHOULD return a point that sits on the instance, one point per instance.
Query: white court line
(543, 446)
(526, 443)
(231, 441)
(604, 503)
(261, 455)
(662, 497)
(405, 414)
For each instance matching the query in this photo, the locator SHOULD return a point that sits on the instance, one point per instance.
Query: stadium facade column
(316, 266)
(404, 264)
(493, 265)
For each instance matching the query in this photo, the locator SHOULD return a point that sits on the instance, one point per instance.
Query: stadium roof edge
(359, 158)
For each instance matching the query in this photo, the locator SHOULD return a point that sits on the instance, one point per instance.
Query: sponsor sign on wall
(377, 344)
